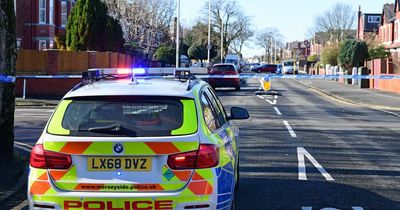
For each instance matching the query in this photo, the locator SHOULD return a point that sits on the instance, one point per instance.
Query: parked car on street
(224, 69)
(254, 66)
(288, 67)
(267, 68)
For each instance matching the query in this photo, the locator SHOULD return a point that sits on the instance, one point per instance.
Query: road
(299, 150)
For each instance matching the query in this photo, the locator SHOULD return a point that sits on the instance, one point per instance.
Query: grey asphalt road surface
(299, 150)
(302, 151)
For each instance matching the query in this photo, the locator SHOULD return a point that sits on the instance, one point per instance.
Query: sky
(293, 18)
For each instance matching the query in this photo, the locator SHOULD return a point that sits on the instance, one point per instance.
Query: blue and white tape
(302, 76)
(7, 79)
(242, 76)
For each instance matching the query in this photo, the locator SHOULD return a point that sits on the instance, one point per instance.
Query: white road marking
(23, 144)
(23, 148)
(329, 208)
(301, 153)
(23, 204)
(35, 115)
(277, 110)
(271, 102)
(260, 96)
(34, 110)
(388, 112)
(290, 129)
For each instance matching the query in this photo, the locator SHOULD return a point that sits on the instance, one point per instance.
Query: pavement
(352, 94)
(36, 102)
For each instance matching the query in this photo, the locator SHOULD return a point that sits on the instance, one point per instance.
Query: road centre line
(260, 96)
(301, 153)
(277, 110)
(290, 129)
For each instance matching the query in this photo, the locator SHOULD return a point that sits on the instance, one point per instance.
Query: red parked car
(225, 69)
(267, 68)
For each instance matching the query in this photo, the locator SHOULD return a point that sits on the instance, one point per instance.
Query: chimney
(359, 22)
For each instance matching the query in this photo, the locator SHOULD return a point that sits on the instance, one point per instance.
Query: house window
(51, 44)
(51, 12)
(42, 44)
(374, 19)
(42, 11)
(19, 43)
(64, 13)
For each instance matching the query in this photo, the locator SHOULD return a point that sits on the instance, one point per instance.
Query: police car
(119, 141)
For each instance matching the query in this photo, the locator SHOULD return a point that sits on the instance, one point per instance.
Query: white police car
(118, 143)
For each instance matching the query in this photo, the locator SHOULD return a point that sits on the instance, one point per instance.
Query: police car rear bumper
(123, 201)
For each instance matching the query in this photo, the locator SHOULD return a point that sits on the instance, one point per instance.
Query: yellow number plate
(119, 163)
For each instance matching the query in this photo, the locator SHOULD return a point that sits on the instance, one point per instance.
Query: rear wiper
(112, 129)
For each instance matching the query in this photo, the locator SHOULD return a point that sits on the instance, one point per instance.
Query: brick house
(40, 21)
(368, 23)
(297, 50)
(386, 29)
(389, 38)
(318, 42)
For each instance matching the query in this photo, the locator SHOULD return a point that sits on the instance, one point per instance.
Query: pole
(24, 90)
(209, 33)
(222, 41)
(177, 33)
(275, 51)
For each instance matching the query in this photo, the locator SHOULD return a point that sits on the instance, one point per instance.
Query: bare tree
(228, 14)
(266, 39)
(337, 22)
(146, 23)
(244, 37)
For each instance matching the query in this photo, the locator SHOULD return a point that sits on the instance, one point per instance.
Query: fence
(54, 62)
(379, 67)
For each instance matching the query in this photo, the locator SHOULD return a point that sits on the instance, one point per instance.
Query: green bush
(165, 54)
(353, 53)
(378, 52)
(330, 55)
(312, 58)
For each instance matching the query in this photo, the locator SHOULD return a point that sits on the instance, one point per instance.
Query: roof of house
(388, 13)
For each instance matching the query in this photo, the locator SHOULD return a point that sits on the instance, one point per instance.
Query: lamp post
(177, 32)
(209, 34)
(222, 40)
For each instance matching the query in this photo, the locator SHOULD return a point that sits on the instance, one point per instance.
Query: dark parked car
(225, 69)
(267, 68)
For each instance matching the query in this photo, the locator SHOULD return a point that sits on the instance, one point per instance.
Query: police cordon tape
(7, 79)
(242, 76)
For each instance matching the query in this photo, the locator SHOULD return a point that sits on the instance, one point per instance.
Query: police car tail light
(41, 158)
(206, 157)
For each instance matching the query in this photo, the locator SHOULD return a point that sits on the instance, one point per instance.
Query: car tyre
(235, 191)
(237, 88)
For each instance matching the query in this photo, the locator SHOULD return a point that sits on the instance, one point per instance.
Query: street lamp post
(177, 32)
(275, 51)
(209, 34)
(222, 40)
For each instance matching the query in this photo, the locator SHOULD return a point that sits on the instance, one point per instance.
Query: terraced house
(40, 21)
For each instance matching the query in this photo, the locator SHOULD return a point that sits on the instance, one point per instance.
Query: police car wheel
(237, 88)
